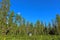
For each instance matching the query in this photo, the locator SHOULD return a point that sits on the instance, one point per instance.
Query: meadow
(41, 37)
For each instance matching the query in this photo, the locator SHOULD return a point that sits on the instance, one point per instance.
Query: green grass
(41, 37)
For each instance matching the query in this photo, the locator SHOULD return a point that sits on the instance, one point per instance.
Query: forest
(12, 24)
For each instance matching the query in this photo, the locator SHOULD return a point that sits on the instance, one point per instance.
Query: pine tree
(4, 9)
(58, 22)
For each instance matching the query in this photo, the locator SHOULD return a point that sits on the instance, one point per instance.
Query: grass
(41, 37)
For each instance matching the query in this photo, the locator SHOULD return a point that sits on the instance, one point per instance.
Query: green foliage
(58, 21)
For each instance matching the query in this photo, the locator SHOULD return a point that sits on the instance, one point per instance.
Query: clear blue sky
(31, 10)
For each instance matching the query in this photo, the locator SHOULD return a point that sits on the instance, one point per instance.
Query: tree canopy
(11, 24)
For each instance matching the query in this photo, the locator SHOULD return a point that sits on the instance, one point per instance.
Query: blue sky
(32, 10)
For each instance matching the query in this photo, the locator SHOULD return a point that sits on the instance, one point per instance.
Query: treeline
(14, 24)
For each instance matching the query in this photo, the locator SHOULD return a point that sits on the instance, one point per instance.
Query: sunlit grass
(41, 37)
